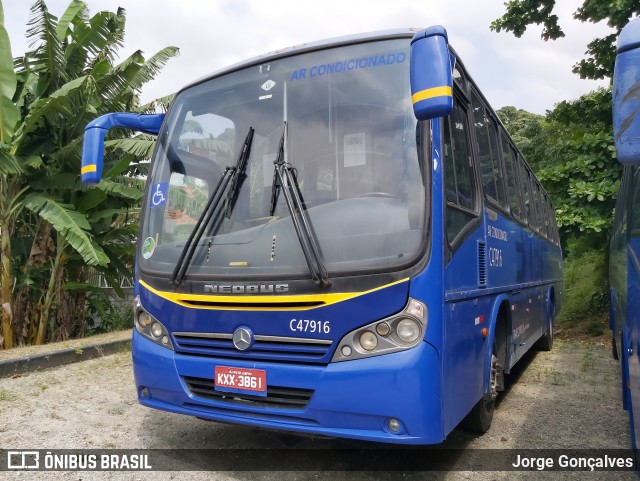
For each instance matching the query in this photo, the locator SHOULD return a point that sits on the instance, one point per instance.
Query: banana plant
(52, 226)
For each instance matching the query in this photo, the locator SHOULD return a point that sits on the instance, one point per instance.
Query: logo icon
(242, 338)
(268, 85)
(159, 195)
(23, 459)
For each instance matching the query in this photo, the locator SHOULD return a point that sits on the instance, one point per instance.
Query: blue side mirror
(431, 83)
(95, 131)
(626, 94)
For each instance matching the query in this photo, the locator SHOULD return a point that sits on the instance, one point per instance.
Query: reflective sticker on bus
(148, 247)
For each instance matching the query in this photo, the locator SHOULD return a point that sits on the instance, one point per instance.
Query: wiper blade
(285, 180)
(232, 175)
(239, 173)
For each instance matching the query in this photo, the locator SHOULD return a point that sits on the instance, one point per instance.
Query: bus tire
(614, 347)
(481, 415)
(545, 343)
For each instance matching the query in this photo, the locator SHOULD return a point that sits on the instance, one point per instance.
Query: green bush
(586, 292)
(108, 313)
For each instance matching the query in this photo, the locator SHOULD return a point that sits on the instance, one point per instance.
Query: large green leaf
(140, 147)
(9, 164)
(9, 117)
(48, 56)
(162, 103)
(118, 81)
(7, 74)
(72, 225)
(120, 189)
(8, 111)
(76, 8)
(58, 103)
(153, 66)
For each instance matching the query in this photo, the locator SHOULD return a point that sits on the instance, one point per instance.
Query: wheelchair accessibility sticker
(159, 193)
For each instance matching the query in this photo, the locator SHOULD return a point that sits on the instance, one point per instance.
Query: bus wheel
(614, 347)
(480, 417)
(545, 343)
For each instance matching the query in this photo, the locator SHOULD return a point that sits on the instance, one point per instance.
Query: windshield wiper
(232, 175)
(284, 179)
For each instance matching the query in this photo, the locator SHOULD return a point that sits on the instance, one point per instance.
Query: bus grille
(277, 397)
(265, 348)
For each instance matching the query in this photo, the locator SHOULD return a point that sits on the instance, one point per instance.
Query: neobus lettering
(246, 289)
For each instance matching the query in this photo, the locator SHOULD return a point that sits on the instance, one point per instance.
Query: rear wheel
(614, 347)
(545, 343)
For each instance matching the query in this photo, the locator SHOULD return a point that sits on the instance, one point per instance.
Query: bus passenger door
(464, 345)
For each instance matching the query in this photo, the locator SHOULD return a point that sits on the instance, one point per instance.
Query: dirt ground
(566, 398)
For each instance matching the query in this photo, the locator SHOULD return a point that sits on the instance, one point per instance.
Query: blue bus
(624, 258)
(338, 238)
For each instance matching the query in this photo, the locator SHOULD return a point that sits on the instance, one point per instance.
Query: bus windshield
(351, 145)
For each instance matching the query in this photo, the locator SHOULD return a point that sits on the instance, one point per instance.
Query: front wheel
(481, 415)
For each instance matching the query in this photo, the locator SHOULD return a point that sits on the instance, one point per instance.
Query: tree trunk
(7, 295)
(6, 277)
(49, 296)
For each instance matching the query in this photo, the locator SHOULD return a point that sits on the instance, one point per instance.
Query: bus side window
(486, 136)
(537, 196)
(527, 201)
(511, 177)
(547, 216)
(459, 177)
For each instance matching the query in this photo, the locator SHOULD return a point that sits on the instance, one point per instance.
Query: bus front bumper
(352, 399)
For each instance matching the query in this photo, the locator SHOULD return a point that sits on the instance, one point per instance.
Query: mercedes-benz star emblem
(242, 338)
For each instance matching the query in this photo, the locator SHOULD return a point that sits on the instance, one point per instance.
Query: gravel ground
(567, 398)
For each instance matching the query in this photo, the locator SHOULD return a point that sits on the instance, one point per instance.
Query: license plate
(241, 380)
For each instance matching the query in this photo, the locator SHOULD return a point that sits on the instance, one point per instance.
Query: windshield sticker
(268, 85)
(348, 65)
(159, 194)
(354, 150)
(148, 247)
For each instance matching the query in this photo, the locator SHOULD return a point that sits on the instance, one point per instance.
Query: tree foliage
(53, 227)
(598, 64)
(572, 153)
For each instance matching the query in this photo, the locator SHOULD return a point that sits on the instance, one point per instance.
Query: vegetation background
(571, 151)
(56, 235)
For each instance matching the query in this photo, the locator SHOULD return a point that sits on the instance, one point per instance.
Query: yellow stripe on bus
(444, 91)
(88, 168)
(276, 300)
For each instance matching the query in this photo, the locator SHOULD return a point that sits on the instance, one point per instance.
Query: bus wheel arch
(481, 415)
(498, 338)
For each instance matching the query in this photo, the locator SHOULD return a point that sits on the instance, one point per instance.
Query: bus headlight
(151, 328)
(408, 330)
(402, 331)
(368, 341)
